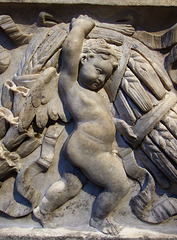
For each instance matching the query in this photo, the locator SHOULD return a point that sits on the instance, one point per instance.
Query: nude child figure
(85, 70)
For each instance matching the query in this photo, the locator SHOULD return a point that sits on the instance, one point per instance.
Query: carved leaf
(53, 108)
(27, 114)
(24, 186)
(159, 159)
(4, 59)
(157, 212)
(165, 140)
(50, 46)
(125, 29)
(8, 204)
(152, 58)
(28, 146)
(133, 88)
(157, 174)
(24, 66)
(170, 61)
(4, 125)
(13, 139)
(7, 94)
(143, 70)
(163, 76)
(170, 121)
(56, 109)
(43, 46)
(124, 109)
(109, 35)
(6, 168)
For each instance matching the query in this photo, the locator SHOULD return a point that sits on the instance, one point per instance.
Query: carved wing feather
(41, 102)
(37, 72)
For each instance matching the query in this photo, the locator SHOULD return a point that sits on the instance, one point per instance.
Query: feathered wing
(42, 102)
(30, 101)
(40, 61)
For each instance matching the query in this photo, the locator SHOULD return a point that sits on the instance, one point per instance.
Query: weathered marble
(88, 119)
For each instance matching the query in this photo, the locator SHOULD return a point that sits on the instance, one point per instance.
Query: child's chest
(85, 103)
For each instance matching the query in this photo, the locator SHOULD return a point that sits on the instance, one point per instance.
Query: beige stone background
(71, 221)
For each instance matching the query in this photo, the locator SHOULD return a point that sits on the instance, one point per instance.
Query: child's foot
(43, 218)
(106, 226)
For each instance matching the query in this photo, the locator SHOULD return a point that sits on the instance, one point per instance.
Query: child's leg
(116, 188)
(109, 173)
(60, 192)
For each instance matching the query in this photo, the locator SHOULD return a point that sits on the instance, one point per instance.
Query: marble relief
(99, 99)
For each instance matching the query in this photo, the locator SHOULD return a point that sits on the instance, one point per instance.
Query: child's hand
(84, 22)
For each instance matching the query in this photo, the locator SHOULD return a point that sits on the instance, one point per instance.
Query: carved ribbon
(11, 29)
(153, 41)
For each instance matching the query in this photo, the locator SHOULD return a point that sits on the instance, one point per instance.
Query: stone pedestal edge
(158, 3)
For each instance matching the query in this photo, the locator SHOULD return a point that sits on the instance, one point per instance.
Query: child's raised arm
(72, 49)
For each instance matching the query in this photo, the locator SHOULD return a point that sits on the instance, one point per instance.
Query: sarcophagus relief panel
(88, 117)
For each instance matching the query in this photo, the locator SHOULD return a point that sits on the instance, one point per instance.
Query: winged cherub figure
(85, 70)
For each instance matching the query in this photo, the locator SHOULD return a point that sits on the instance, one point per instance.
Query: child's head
(101, 47)
(98, 61)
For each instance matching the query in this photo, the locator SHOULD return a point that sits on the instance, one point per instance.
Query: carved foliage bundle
(141, 90)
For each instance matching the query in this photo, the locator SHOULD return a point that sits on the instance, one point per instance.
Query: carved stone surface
(88, 120)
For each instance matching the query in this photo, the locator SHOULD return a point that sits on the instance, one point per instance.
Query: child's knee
(55, 189)
(74, 187)
(120, 190)
(125, 187)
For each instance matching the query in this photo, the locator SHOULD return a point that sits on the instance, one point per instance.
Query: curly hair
(100, 46)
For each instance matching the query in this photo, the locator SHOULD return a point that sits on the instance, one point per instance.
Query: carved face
(94, 71)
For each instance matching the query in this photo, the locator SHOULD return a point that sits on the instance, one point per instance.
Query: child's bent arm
(72, 49)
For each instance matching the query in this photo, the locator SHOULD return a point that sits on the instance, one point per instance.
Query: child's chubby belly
(102, 131)
(87, 142)
(90, 139)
